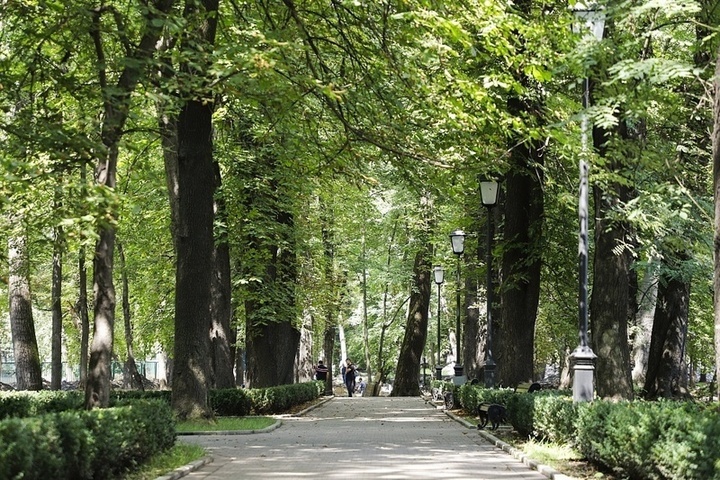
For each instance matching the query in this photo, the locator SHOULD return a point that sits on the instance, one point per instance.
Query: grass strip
(220, 424)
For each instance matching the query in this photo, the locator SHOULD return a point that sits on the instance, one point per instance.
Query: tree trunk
(521, 264)
(135, 380)
(666, 370)
(407, 374)
(647, 300)
(82, 311)
(56, 351)
(195, 260)
(609, 304)
(221, 309)
(329, 347)
(271, 354)
(116, 106)
(716, 200)
(28, 372)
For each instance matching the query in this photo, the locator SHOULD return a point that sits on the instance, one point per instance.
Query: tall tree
(116, 108)
(22, 326)
(195, 244)
(407, 373)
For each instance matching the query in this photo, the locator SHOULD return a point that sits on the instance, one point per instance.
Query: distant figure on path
(361, 387)
(349, 377)
(321, 371)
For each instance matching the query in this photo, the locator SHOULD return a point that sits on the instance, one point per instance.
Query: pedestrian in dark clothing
(321, 371)
(349, 377)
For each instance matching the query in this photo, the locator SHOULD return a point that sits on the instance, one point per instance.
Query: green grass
(225, 423)
(179, 455)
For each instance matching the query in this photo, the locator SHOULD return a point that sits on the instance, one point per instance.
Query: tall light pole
(439, 275)
(591, 20)
(489, 195)
(457, 240)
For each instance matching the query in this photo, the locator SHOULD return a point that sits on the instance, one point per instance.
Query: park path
(361, 438)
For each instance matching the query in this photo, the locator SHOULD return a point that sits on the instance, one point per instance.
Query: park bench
(491, 413)
(527, 387)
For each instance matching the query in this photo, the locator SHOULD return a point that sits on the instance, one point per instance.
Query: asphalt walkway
(361, 438)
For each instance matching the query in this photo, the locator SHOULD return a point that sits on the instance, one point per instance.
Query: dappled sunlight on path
(373, 438)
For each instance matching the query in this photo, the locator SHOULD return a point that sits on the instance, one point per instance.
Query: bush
(101, 443)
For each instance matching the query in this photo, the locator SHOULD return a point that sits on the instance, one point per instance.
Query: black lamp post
(457, 239)
(439, 275)
(489, 194)
(591, 20)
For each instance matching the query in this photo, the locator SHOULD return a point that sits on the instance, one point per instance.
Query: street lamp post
(439, 275)
(489, 194)
(590, 18)
(457, 240)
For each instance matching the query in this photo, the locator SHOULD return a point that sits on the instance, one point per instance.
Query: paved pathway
(361, 438)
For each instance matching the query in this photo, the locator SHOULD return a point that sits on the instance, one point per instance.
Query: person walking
(349, 377)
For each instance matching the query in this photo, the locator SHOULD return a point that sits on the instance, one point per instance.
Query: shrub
(101, 443)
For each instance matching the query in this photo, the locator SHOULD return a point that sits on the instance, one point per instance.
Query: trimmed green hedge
(639, 440)
(101, 443)
(30, 404)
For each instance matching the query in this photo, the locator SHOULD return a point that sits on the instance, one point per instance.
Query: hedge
(640, 440)
(101, 443)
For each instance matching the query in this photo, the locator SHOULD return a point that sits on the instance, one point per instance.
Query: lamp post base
(489, 373)
(582, 362)
(438, 372)
(459, 378)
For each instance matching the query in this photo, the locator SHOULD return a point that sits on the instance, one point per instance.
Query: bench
(527, 387)
(491, 413)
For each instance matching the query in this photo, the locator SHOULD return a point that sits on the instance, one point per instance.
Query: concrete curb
(235, 432)
(546, 470)
(186, 469)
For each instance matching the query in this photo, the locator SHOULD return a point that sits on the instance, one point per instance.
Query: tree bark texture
(666, 367)
(28, 372)
(609, 302)
(523, 208)
(647, 293)
(221, 308)
(407, 374)
(56, 350)
(133, 378)
(195, 261)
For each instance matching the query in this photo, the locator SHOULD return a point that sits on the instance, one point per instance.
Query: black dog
(495, 414)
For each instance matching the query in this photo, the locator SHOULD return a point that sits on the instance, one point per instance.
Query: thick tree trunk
(56, 351)
(271, 350)
(195, 260)
(28, 372)
(521, 264)
(407, 374)
(609, 304)
(666, 367)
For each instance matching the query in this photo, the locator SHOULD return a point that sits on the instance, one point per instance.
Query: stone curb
(235, 432)
(186, 469)
(546, 470)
